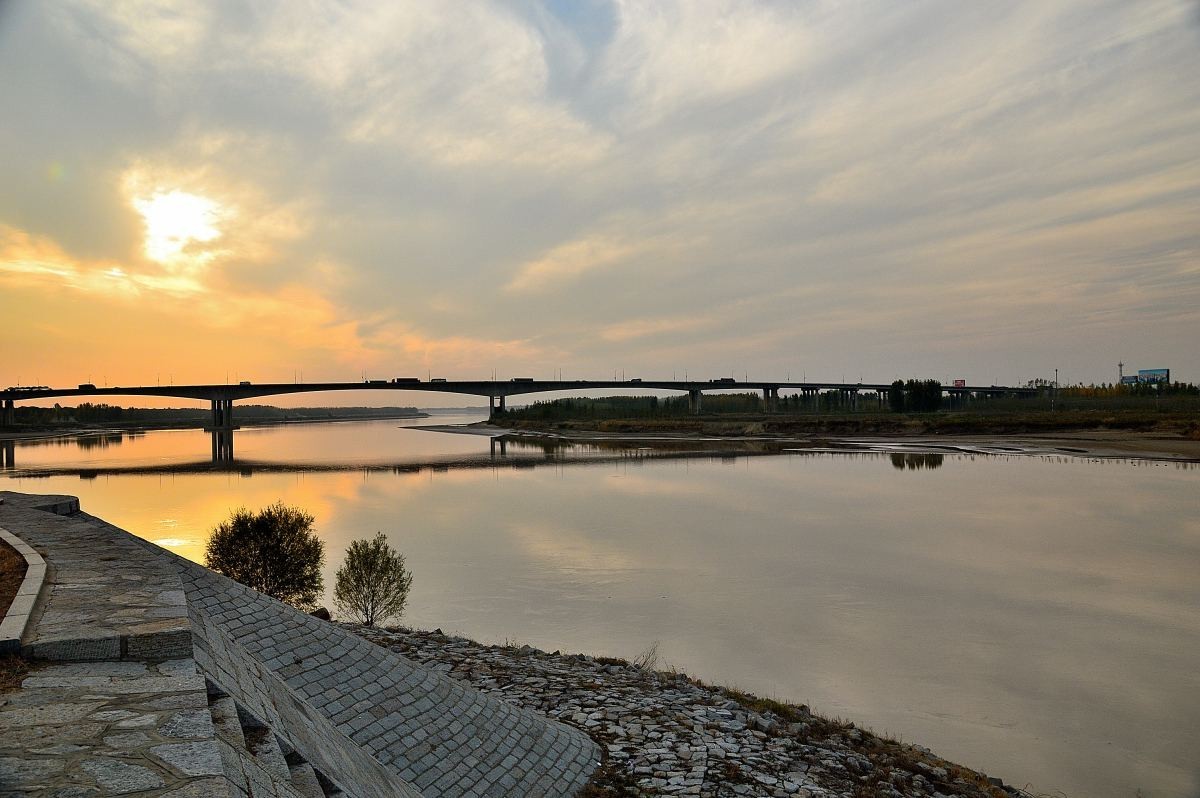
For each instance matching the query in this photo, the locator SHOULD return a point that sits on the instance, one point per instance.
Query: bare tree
(373, 583)
(274, 551)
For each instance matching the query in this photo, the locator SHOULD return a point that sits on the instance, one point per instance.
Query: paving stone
(127, 740)
(16, 770)
(73, 792)
(46, 715)
(191, 759)
(196, 723)
(201, 788)
(122, 777)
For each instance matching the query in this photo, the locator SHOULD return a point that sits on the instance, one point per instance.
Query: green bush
(373, 583)
(274, 551)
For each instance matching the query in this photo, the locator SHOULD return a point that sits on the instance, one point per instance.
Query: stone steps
(253, 752)
(304, 779)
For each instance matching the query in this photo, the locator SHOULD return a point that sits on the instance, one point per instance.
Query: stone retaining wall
(297, 704)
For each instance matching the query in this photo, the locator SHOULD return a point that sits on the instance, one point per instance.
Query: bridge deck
(490, 388)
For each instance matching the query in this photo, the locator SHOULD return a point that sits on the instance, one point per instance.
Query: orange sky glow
(209, 194)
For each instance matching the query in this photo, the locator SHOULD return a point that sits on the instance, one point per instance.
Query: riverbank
(1186, 424)
(1178, 439)
(663, 733)
(126, 427)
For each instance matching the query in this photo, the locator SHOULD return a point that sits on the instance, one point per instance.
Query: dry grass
(12, 670)
(12, 571)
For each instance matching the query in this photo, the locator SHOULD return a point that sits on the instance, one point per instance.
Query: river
(1036, 618)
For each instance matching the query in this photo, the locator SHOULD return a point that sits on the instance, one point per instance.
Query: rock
(120, 777)
(191, 759)
(665, 735)
(322, 613)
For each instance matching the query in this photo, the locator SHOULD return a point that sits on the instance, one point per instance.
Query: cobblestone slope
(267, 701)
(665, 734)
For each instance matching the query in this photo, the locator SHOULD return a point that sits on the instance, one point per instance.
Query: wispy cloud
(641, 185)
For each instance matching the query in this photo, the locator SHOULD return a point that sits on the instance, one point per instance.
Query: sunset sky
(199, 192)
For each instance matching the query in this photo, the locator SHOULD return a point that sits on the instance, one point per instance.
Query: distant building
(1154, 375)
(1148, 376)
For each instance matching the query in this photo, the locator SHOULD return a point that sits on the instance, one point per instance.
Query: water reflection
(913, 462)
(222, 447)
(503, 451)
(1019, 614)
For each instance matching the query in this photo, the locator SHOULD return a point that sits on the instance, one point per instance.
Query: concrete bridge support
(498, 446)
(8, 417)
(770, 399)
(694, 401)
(496, 406)
(222, 414)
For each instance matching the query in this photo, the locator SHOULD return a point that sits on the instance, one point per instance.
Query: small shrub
(274, 551)
(373, 583)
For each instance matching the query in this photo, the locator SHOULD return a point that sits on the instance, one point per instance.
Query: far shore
(1103, 443)
(72, 430)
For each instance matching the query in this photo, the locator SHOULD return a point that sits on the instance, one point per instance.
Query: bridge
(222, 397)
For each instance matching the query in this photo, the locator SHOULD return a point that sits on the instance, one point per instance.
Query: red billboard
(960, 383)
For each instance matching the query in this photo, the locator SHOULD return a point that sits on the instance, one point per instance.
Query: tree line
(101, 413)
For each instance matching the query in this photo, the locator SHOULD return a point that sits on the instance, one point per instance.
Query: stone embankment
(666, 734)
(154, 676)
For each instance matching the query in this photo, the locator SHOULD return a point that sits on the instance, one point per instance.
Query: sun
(175, 220)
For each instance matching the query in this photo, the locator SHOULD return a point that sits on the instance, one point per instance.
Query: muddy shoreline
(1116, 444)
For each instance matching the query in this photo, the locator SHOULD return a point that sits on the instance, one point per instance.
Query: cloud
(705, 182)
(641, 328)
(669, 56)
(571, 260)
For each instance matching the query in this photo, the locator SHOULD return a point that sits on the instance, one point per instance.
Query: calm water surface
(1038, 619)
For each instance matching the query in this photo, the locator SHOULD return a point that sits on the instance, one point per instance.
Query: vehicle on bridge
(375, 382)
(522, 379)
(86, 386)
(405, 380)
(724, 381)
(244, 382)
(438, 379)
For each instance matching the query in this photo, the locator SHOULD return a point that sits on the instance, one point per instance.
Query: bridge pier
(8, 418)
(770, 399)
(222, 414)
(496, 406)
(498, 445)
(694, 401)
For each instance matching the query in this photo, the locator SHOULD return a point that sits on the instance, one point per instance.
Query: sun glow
(175, 220)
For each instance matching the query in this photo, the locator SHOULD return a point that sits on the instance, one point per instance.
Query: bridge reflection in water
(222, 446)
(522, 452)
